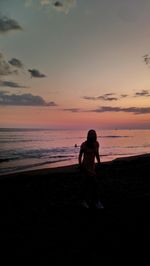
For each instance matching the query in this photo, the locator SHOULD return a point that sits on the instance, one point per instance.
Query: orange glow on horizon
(46, 117)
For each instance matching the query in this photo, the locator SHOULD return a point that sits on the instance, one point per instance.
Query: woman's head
(91, 136)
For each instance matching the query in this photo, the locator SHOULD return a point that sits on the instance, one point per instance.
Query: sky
(75, 64)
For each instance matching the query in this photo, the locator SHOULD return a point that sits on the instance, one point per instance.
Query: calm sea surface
(26, 149)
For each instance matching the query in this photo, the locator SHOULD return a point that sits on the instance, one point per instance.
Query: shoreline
(71, 167)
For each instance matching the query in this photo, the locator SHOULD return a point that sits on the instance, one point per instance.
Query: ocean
(28, 149)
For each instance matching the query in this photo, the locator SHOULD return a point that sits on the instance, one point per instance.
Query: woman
(89, 151)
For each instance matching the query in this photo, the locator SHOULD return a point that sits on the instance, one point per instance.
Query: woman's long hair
(91, 138)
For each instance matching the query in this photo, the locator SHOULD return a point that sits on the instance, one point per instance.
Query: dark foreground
(42, 221)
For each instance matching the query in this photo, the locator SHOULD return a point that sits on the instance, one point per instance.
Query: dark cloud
(105, 97)
(36, 73)
(135, 110)
(73, 110)
(7, 24)
(106, 109)
(5, 67)
(124, 95)
(11, 84)
(108, 94)
(23, 100)
(143, 93)
(16, 63)
(90, 98)
(58, 4)
(64, 6)
(146, 59)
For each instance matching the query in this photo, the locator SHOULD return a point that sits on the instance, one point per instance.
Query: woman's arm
(97, 154)
(98, 158)
(80, 157)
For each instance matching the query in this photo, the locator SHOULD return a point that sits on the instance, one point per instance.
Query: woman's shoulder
(97, 143)
(83, 144)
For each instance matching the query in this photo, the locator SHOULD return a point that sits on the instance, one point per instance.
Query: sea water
(27, 149)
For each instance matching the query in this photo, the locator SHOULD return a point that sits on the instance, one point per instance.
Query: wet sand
(42, 220)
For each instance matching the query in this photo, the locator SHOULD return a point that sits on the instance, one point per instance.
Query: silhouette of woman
(89, 150)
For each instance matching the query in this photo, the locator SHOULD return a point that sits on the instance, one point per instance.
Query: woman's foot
(85, 204)
(99, 205)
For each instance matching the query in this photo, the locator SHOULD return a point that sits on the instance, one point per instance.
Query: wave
(59, 153)
(12, 169)
(33, 155)
(116, 154)
(18, 141)
(24, 129)
(114, 136)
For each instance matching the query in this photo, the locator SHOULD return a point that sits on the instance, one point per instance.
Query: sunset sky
(75, 63)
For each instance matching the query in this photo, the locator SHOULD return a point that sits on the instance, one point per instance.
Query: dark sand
(42, 220)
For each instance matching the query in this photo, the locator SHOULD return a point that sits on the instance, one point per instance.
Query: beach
(42, 219)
